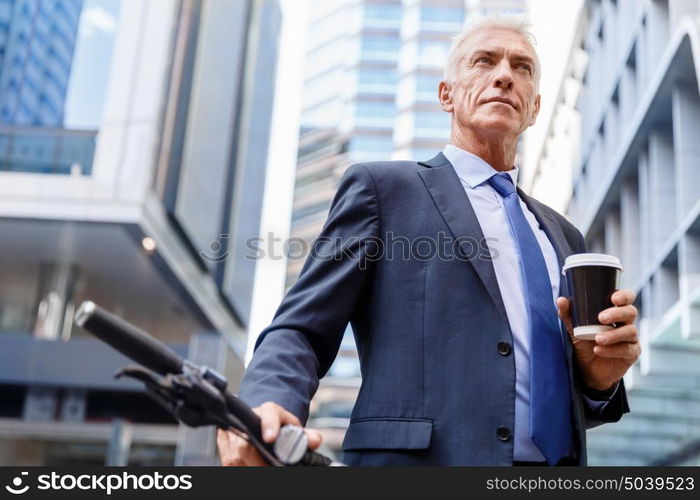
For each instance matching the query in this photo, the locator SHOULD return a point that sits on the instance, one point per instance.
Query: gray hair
(514, 22)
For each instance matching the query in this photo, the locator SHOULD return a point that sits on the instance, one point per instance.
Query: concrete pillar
(197, 446)
(641, 59)
(54, 300)
(119, 447)
(689, 270)
(645, 247)
(631, 238)
(613, 233)
(686, 132)
(658, 27)
(665, 290)
(628, 91)
(662, 188)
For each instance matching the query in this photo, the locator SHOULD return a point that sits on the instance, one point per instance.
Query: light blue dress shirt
(473, 172)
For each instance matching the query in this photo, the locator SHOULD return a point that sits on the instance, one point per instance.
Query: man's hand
(236, 451)
(605, 360)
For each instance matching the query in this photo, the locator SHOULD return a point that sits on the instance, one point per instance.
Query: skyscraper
(37, 41)
(37, 49)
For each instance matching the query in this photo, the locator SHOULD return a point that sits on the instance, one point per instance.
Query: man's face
(494, 92)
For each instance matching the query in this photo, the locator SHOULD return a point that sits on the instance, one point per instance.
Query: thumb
(564, 311)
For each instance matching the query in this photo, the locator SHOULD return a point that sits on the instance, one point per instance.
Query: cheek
(529, 103)
(469, 94)
(527, 110)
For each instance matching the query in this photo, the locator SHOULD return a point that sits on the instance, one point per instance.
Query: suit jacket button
(503, 433)
(504, 348)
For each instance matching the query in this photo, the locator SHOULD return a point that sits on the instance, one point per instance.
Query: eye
(525, 66)
(483, 59)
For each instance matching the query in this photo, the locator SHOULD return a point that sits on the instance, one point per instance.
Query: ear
(445, 96)
(535, 110)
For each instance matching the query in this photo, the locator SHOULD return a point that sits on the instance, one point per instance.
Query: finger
(619, 314)
(249, 455)
(627, 333)
(272, 417)
(623, 297)
(225, 440)
(564, 311)
(222, 444)
(623, 351)
(288, 418)
(315, 438)
(269, 421)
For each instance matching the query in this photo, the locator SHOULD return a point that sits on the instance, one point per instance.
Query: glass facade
(53, 60)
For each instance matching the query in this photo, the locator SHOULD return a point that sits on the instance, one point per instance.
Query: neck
(497, 150)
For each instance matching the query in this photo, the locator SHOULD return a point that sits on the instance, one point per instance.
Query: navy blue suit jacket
(435, 385)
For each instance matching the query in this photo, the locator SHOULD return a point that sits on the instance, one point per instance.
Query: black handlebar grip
(247, 416)
(131, 341)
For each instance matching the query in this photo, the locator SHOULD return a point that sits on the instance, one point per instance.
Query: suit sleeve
(299, 346)
(601, 407)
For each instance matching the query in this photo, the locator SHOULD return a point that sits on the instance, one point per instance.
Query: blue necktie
(550, 395)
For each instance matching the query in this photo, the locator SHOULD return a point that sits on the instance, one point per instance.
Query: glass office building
(133, 150)
(629, 108)
(38, 41)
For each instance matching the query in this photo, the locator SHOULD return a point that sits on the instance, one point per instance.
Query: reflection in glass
(54, 61)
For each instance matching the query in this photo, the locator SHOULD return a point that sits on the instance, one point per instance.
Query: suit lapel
(452, 201)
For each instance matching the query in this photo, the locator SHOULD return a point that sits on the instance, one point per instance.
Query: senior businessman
(467, 354)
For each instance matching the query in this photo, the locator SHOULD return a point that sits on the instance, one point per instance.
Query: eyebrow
(490, 53)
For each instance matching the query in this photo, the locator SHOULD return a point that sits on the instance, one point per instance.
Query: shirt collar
(472, 169)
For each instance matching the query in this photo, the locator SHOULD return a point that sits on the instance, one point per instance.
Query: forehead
(496, 40)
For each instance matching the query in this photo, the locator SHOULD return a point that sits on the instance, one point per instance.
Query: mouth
(502, 100)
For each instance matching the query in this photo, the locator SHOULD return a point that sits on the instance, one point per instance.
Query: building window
(380, 47)
(378, 79)
(432, 119)
(441, 15)
(382, 13)
(376, 109)
(433, 52)
(373, 144)
(428, 83)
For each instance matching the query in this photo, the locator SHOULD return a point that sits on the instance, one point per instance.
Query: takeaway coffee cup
(592, 279)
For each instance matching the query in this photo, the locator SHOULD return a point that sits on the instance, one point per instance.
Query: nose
(503, 77)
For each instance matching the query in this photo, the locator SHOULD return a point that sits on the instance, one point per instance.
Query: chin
(497, 124)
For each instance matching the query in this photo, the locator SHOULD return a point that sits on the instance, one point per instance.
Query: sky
(90, 71)
(553, 26)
